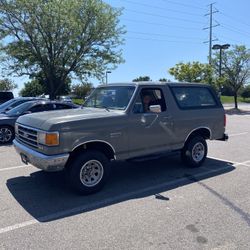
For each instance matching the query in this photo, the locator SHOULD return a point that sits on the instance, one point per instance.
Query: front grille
(27, 135)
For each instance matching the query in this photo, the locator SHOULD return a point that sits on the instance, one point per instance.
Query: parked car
(5, 96)
(66, 99)
(12, 103)
(8, 119)
(122, 122)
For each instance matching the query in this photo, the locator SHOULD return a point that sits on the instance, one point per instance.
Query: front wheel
(194, 152)
(6, 134)
(88, 172)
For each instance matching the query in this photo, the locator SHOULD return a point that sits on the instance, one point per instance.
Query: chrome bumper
(50, 163)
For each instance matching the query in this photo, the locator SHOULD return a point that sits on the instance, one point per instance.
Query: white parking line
(243, 133)
(16, 226)
(245, 163)
(103, 203)
(11, 168)
(219, 159)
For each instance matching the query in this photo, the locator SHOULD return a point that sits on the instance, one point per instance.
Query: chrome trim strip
(27, 142)
(31, 128)
(96, 141)
(27, 137)
(197, 129)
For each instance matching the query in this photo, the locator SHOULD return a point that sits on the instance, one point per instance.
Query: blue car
(8, 119)
(12, 103)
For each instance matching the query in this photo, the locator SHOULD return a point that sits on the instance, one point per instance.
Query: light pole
(106, 75)
(220, 47)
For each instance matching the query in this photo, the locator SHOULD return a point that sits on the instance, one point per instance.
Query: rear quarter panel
(185, 121)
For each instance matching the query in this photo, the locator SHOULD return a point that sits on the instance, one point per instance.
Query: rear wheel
(88, 172)
(194, 152)
(6, 134)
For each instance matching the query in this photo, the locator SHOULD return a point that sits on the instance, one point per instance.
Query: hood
(5, 116)
(7, 120)
(45, 120)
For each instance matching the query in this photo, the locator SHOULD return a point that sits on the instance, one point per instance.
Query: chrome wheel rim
(198, 152)
(5, 135)
(91, 173)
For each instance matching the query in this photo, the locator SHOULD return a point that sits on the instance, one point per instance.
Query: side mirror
(155, 108)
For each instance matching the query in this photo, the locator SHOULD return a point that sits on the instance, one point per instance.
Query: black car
(8, 119)
(12, 103)
(5, 96)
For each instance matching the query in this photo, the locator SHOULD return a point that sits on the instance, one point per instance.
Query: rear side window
(58, 106)
(41, 108)
(194, 97)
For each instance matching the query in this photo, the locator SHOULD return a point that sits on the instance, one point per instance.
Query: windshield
(110, 97)
(7, 104)
(20, 109)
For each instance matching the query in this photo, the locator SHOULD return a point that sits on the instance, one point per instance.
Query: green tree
(7, 84)
(64, 89)
(164, 80)
(81, 90)
(62, 39)
(142, 79)
(246, 92)
(32, 88)
(191, 72)
(235, 68)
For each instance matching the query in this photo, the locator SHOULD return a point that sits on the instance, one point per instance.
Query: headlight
(48, 138)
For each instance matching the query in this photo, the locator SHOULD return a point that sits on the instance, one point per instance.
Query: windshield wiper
(98, 107)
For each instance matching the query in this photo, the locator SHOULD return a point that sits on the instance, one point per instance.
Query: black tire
(7, 134)
(194, 152)
(88, 172)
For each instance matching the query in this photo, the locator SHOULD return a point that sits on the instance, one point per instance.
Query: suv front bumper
(50, 163)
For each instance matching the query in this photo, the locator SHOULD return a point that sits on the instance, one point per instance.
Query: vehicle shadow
(234, 111)
(10, 144)
(46, 196)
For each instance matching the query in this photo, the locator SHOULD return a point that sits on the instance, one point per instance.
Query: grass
(230, 99)
(77, 101)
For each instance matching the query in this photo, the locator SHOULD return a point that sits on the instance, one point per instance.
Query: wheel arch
(205, 132)
(101, 146)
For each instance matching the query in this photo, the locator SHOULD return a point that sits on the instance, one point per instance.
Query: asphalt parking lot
(157, 204)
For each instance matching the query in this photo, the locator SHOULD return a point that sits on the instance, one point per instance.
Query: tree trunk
(235, 101)
(52, 94)
(51, 89)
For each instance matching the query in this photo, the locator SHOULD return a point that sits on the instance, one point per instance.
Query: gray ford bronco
(121, 122)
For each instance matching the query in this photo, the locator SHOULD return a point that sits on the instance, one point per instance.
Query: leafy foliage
(62, 39)
(81, 90)
(246, 92)
(164, 80)
(32, 88)
(235, 68)
(6, 85)
(191, 72)
(142, 79)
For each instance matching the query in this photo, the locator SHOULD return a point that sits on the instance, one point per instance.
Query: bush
(246, 92)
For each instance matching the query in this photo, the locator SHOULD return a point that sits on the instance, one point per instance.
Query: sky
(162, 33)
